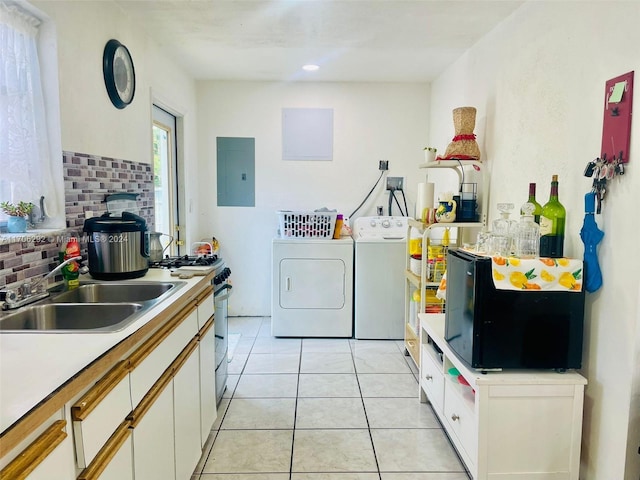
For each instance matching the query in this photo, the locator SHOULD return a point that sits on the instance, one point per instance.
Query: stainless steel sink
(91, 308)
(115, 292)
(64, 317)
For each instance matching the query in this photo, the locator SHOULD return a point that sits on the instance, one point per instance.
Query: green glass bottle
(552, 221)
(532, 199)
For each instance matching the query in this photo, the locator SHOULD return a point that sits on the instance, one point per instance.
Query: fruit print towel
(560, 274)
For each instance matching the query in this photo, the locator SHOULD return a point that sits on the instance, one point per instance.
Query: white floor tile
(250, 451)
(380, 363)
(236, 365)
(326, 345)
(330, 413)
(328, 385)
(421, 476)
(267, 385)
(333, 451)
(414, 450)
(334, 476)
(374, 346)
(272, 363)
(265, 329)
(276, 345)
(244, 476)
(244, 345)
(313, 407)
(399, 413)
(388, 385)
(232, 382)
(313, 362)
(247, 326)
(260, 413)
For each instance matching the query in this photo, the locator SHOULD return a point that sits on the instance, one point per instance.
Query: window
(30, 151)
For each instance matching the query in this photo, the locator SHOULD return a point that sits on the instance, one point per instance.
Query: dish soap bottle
(552, 221)
(71, 272)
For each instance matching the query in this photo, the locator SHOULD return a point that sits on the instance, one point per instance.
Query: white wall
(538, 83)
(89, 122)
(371, 122)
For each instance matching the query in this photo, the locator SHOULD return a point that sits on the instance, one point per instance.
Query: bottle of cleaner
(71, 272)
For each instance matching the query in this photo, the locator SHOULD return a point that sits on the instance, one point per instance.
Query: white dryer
(312, 287)
(380, 263)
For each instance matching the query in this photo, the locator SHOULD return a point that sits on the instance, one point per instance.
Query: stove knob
(372, 223)
(386, 223)
(399, 223)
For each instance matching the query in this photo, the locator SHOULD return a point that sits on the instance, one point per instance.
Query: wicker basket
(306, 224)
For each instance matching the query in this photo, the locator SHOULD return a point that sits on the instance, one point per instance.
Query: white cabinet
(148, 363)
(143, 412)
(96, 413)
(114, 461)
(186, 414)
(427, 232)
(153, 440)
(511, 424)
(207, 357)
(49, 455)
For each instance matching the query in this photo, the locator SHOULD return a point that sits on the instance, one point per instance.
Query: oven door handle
(219, 296)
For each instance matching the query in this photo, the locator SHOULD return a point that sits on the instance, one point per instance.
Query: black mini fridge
(492, 329)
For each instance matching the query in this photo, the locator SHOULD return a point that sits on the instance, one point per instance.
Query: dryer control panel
(391, 228)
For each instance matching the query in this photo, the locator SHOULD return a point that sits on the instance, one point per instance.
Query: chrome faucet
(32, 291)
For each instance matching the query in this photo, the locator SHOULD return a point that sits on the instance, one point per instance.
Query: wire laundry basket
(306, 224)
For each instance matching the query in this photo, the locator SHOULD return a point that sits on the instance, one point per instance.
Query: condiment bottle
(339, 222)
(71, 272)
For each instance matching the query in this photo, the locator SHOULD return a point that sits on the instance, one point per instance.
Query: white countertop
(33, 365)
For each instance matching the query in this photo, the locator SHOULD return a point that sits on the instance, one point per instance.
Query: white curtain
(26, 169)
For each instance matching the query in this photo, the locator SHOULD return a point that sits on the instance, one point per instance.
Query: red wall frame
(616, 126)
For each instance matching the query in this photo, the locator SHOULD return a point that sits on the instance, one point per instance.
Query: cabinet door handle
(455, 417)
(288, 284)
(428, 377)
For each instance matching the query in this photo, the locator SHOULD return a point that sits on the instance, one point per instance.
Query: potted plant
(430, 154)
(17, 222)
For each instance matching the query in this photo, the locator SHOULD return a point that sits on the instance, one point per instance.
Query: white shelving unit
(414, 281)
(512, 424)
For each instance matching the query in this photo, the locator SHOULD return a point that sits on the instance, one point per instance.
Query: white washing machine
(380, 263)
(312, 287)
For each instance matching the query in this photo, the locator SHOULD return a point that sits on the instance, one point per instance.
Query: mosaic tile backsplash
(88, 179)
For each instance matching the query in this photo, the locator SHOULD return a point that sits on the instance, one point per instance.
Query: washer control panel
(391, 228)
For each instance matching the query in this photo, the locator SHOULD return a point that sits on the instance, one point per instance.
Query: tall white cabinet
(516, 425)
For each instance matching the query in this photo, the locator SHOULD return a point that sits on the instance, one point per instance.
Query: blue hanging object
(591, 236)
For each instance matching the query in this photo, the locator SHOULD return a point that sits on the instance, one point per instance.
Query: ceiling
(351, 40)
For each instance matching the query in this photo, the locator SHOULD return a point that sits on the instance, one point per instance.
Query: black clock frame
(109, 75)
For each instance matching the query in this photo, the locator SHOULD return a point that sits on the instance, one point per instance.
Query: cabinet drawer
(205, 307)
(432, 379)
(114, 461)
(149, 362)
(98, 413)
(460, 418)
(51, 451)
